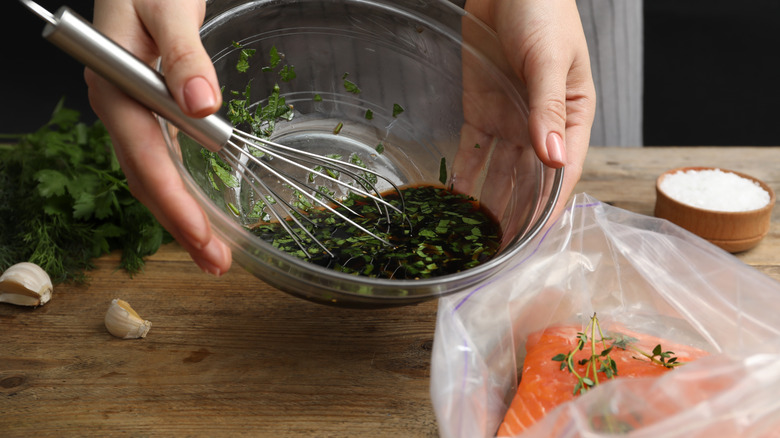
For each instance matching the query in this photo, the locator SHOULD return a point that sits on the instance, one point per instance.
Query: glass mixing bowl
(434, 90)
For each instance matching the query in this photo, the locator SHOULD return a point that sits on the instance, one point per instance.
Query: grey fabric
(614, 29)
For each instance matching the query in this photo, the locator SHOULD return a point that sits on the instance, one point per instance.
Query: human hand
(545, 46)
(167, 29)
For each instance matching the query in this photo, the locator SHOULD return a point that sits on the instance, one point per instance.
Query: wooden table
(231, 356)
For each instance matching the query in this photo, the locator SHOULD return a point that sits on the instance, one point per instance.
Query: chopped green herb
(443, 171)
(369, 114)
(317, 98)
(427, 233)
(238, 111)
(220, 169)
(243, 63)
(349, 85)
(338, 127)
(425, 242)
(274, 57)
(397, 110)
(287, 73)
(380, 149)
(261, 122)
(243, 57)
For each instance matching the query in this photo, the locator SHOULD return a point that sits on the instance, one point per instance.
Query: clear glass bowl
(461, 106)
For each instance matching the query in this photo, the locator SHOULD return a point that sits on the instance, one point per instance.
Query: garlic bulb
(123, 322)
(25, 284)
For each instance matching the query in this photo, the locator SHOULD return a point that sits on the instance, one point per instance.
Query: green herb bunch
(64, 201)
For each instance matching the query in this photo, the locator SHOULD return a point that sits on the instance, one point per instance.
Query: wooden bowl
(733, 231)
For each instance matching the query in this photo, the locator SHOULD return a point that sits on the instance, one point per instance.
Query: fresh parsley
(64, 201)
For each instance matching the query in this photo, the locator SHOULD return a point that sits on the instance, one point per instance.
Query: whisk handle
(78, 38)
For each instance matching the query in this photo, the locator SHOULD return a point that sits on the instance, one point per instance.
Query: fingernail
(198, 95)
(213, 256)
(556, 150)
(209, 269)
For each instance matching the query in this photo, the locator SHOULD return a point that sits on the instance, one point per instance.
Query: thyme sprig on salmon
(601, 361)
(597, 362)
(544, 384)
(658, 356)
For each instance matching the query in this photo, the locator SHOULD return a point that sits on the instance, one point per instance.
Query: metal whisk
(82, 41)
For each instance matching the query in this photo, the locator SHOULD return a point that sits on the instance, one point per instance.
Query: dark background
(711, 75)
(711, 72)
(35, 73)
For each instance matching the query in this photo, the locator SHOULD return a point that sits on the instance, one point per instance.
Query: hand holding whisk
(242, 151)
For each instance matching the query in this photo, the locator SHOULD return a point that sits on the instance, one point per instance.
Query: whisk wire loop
(295, 157)
(271, 200)
(246, 146)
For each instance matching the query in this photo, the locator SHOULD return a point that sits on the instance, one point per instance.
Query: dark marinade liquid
(441, 233)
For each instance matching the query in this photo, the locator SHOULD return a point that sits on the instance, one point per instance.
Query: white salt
(715, 190)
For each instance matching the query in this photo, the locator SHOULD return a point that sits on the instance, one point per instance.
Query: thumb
(189, 73)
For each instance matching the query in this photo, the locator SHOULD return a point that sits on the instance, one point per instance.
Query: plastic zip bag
(640, 272)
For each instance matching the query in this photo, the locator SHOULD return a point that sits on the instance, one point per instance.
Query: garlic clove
(123, 322)
(25, 284)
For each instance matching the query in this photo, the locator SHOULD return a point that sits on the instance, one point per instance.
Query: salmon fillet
(543, 385)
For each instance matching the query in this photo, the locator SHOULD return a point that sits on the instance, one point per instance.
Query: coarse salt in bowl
(730, 209)
(714, 189)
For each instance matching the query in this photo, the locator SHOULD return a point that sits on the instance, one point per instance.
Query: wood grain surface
(625, 178)
(231, 356)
